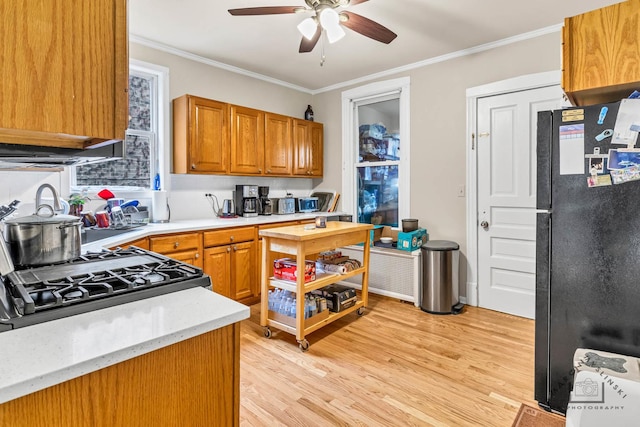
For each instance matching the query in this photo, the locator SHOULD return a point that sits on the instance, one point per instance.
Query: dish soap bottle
(308, 115)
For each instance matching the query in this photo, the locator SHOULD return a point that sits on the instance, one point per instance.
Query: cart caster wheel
(304, 345)
(360, 311)
(267, 332)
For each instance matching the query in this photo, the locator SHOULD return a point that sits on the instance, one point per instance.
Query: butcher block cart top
(300, 241)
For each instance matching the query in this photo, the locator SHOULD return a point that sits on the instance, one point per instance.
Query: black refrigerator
(587, 244)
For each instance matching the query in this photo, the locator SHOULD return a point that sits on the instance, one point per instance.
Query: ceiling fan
(325, 17)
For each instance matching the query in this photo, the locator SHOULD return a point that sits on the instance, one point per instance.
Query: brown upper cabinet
(308, 144)
(601, 54)
(64, 74)
(278, 144)
(247, 140)
(213, 137)
(200, 135)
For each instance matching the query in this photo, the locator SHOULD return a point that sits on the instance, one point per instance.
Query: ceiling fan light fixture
(308, 28)
(330, 21)
(334, 33)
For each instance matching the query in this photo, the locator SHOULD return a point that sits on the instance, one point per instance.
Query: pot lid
(44, 214)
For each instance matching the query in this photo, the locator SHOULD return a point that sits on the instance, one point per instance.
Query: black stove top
(91, 282)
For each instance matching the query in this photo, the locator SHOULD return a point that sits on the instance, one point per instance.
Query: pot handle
(44, 205)
(69, 225)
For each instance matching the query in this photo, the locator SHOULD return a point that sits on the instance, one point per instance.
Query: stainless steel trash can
(440, 282)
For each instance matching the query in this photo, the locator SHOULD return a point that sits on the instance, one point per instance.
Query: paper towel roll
(159, 206)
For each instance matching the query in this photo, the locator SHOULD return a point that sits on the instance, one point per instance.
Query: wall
(186, 197)
(438, 129)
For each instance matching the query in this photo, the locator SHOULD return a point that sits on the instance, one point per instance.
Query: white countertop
(49, 353)
(42, 355)
(196, 225)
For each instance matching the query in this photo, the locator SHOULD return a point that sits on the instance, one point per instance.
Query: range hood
(18, 156)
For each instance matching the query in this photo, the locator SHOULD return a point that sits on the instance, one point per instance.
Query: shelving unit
(300, 242)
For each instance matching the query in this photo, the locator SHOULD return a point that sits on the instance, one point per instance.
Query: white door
(507, 197)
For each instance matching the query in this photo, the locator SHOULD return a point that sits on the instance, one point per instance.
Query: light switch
(461, 191)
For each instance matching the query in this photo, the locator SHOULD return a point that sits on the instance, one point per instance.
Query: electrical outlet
(461, 191)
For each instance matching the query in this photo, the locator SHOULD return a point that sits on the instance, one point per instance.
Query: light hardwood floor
(393, 366)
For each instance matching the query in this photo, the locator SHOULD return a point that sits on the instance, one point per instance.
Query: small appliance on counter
(228, 209)
(264, 202)
(246, 199)
(286, 206)
(307, 204)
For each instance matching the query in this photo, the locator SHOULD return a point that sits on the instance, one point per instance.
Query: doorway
(502, 183)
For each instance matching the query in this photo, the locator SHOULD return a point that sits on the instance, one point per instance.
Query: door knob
(485, 225)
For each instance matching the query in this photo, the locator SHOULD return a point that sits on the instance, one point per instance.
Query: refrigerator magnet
(599, 180)
(596, 165)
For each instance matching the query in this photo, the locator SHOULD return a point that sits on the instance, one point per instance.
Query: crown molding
(197, 58)
(442, 58)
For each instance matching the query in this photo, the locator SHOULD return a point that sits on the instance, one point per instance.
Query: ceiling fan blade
(367, 27)
(273, 10)
(308, 45)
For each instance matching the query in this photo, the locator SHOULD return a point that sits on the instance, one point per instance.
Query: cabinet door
(247, 140)
(68, 58)
(315, 149)
(600, 54)
(278, 144)
(301, 136)
(217, 264)
(191, 257)
(208, 146)
(244, 278)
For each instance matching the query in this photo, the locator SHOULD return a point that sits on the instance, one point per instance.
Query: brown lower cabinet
(230, 256)
(195, 382)
(230, 259)
(185, 247)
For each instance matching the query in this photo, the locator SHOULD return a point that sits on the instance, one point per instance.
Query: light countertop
(42, 355)
(196, 225)
(49, 353)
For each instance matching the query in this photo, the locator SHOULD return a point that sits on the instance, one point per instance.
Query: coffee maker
(246, 198)
(264, 202)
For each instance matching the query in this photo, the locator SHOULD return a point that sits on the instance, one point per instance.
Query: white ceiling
(268, 45)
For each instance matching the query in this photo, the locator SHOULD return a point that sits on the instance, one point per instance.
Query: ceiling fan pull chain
(322, 55)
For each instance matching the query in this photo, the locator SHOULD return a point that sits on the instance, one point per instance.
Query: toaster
(286, 206)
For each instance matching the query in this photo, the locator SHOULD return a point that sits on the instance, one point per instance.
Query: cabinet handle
(193, 166)
(259, 170)
(228, 249)
(176, 244)
(235, 248)
(231, 238)
(268, 170)
(197, 256)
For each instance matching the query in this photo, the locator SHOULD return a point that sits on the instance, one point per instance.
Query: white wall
(438, 127)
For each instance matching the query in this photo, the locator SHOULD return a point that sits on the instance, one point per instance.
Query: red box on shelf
(286, 269)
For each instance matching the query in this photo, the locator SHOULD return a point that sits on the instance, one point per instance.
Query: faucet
(56, 199)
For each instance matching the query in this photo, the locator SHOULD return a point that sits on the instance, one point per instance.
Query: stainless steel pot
(43, 238)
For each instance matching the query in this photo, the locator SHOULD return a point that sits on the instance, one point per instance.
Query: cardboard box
(286, 269)
(412, 240)
(291, 321)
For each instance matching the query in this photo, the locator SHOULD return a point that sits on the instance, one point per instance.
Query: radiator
(392, 273)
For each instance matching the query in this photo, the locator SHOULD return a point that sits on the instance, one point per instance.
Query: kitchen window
(376, 152)
(144, 139)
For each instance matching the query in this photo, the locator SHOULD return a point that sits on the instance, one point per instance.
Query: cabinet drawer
(175, 242)
(228, 235)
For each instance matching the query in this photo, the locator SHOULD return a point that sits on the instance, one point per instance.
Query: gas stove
(91, 282)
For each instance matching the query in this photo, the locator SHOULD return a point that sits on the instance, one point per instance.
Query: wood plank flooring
(393, 366)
